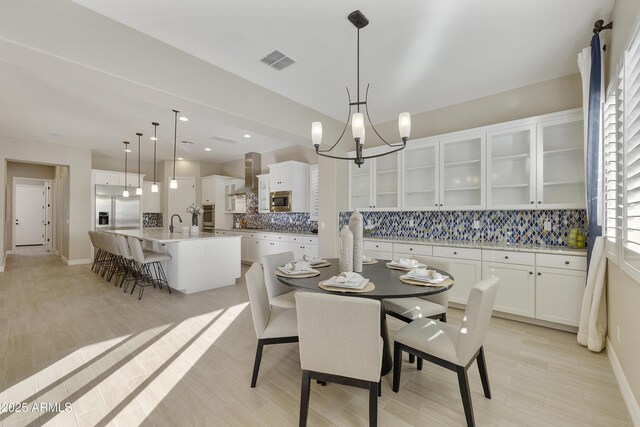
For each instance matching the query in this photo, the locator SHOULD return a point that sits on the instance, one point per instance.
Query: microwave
(280, 201)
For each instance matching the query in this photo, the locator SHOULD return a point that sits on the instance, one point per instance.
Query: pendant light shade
(173, 184)
(125, 192)
(139, 188)
(154, 186)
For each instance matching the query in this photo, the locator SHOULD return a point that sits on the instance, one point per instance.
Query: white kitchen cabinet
(314, 192)
(151, 202)
(252, 253)
(560, 282)
(264, 199)
(465, 267)
(375, 185)
(108, 177)
(207, 189)
(234, 204)
(420, 175)
(560, 163)
(462, 172)
(511, 168)
(516, 288)
(294, 177)
(378, 250)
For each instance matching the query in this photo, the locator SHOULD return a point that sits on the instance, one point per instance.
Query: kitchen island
(198, 263)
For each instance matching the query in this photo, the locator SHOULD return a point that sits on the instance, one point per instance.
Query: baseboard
(76, 261)
(625, 388)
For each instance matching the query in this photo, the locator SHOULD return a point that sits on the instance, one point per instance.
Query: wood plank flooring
(67, 336)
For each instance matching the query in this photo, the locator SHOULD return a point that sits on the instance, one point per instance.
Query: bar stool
(146, 262)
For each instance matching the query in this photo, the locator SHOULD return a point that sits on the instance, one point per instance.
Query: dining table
(387, 285)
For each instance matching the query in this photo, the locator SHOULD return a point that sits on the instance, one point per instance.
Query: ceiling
(82, 73)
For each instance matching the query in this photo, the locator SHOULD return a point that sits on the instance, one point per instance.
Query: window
(612, 132)
(631, 158)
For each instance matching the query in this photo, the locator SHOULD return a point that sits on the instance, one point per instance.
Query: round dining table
(387, 285)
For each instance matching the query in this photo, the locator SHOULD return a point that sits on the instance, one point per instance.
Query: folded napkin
(406, 263)
(348, 280)
(297, 267)
(366, 258)
(313, 259)
(424, 275)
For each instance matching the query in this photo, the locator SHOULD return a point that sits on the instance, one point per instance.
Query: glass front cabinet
(375, 185)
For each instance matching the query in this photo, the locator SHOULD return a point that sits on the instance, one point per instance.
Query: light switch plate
(412, 223)
(547, 226)
(476, 224)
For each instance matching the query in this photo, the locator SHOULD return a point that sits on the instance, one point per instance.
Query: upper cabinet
(102, 177)
(511, 168)
(207, 188)
(264, 199)
(539, 165)
(421, 175)
(294, 177)
(375, 185)
(233, 204)
(561, 173)
(462, 173)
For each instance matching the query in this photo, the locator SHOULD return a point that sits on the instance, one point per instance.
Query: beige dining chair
(273, 325)
(280, 295)
(339, 342)
(452, 347)
(434, 306)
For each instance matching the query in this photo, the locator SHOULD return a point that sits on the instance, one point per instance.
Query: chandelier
(357, 119)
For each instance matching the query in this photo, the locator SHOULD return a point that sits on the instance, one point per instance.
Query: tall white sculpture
(356, 225)
(345, 262)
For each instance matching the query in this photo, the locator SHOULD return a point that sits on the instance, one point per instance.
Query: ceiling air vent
(223, 139)
(277, 60)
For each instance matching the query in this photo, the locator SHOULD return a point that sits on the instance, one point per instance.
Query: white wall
(77, 215)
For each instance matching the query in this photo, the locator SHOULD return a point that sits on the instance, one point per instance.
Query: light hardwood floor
(68, 336)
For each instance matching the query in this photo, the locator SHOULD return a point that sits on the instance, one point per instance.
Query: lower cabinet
(559, 294)
(257, 245)
(516, 289)
(466, 274)
(378, 250)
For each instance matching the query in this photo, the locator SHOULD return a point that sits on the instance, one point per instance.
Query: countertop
(164, 236)
(267, 231)
(558, 250)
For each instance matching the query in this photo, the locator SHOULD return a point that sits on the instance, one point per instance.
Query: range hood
(252, 168)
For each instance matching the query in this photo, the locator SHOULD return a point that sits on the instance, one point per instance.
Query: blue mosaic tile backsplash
(515, 227)
(281, 221)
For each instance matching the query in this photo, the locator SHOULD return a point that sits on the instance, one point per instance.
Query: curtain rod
(599, 26)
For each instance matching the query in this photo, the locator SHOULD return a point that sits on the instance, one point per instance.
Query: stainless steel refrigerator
(114, 212)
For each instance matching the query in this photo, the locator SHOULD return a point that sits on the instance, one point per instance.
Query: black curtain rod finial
(598, 26)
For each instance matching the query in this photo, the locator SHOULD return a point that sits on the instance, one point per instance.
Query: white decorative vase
(194, 231)
(356, 225)
(345, 262)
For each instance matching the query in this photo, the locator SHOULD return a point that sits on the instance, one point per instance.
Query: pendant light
(173, 184)
(154, 186)
(125, 192)
(139, 189)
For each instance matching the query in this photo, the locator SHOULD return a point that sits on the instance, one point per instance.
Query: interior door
(179, 199)
(29, 215)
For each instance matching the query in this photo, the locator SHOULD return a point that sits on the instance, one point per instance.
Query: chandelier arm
(400, 147)
(346, 124)
(366, 109)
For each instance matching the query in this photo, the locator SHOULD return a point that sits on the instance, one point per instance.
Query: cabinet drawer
(562, 261)
(310, 240)
(406, 248)
(509, 257)
(379, 246)
(462, 253)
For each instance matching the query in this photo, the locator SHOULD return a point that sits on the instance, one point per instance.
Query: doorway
(30, 215)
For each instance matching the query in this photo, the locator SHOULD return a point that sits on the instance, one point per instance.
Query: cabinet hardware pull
(539, 202)
(539, 274)
(410, 249)
(455, 253)
(566, 262)
(506, 257)
(531, 272)
(532, 202)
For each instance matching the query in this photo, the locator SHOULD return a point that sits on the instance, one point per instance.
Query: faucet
(171, 226)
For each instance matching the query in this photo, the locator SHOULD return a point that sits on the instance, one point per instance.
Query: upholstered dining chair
(435, 306)
(339, 342)
(452, 347)
(279, 295)
(273, 325)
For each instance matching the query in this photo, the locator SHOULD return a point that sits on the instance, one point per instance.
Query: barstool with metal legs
(149, 270)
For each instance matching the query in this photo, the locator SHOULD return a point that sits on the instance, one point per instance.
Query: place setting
(316, 262)
(367, 260)
(297, 269)
(422, 276)
(405, 264)
(347, 282)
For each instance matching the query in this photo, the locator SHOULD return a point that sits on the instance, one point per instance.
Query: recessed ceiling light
(153, 138)
(183, 119)
(127, 150)
(180, 158)
(246, 135)
(207, 149)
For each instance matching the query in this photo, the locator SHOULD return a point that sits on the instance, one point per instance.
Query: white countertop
(267, 231)
(559, 250)
(163, 236)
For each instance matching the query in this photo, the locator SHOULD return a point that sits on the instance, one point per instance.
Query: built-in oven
(280, 201)
(208, 217)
